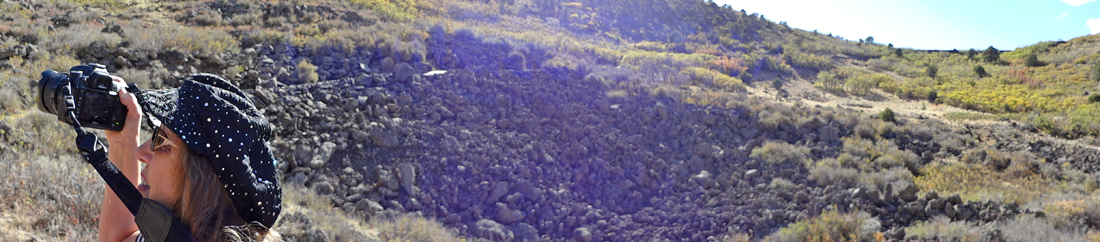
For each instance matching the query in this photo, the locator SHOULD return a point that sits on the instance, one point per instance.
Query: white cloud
(1077, 3)
(1094, 25)
(1063, 16)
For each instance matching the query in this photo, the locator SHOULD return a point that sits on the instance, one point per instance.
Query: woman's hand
(128, 137)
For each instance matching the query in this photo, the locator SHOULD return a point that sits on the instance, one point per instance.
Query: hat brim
(158, 104)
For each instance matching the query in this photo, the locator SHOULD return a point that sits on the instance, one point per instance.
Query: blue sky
(936, 24)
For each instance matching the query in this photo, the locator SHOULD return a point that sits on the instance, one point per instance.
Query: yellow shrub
(711, 77)
(829, 226)
(398, 10)
(976, 182)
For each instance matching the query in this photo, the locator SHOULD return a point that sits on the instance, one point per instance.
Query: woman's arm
(115, 221)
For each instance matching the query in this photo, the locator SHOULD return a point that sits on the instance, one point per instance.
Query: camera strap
(154, 220)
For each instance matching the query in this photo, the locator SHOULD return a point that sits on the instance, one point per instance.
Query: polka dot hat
(217, 120)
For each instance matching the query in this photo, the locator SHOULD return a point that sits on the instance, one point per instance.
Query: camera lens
(47, 90)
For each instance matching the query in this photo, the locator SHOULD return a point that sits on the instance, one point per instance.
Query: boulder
(909, 193)
(407, 174)
(493, 231)
(506, 215)
(322, 155)
(387, 179)
(582, 234)
(368, 206)
(403, 72)
(499, 190)
(384, 138)
(323, 188)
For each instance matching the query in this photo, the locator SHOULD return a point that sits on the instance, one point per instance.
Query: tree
(897, 52)
(890, 46)
(1033, 61)
(991, 55)
(980, 71)
(870, 40)
(971, 53)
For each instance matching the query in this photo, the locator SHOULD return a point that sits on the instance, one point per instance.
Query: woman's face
(163, 172)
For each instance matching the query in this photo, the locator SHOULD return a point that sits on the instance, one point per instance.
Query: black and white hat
(217, 120)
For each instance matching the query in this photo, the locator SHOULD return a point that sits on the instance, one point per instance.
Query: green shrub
(1033, 61)
(887, 115)
(1095, 97)
(930, 71)
(980, 71)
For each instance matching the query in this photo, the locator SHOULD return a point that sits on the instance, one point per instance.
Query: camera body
(93, 93)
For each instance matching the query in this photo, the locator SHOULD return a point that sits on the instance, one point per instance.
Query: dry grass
(320, 215)
(942, 228)
(48, 198)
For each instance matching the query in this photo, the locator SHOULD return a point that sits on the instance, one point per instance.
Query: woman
(208, 161)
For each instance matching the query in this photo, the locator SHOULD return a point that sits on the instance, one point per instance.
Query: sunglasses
(158, 139)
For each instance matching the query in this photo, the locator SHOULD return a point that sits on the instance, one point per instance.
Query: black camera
(91, 92)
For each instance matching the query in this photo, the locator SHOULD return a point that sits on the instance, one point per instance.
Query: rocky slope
(481, 134)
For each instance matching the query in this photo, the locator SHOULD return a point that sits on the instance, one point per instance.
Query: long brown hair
(206, 209)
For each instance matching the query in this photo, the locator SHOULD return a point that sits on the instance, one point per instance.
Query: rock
(582, 234)
(452, 218)
(930, 195)
(386, 192)
(702, 178)
(386, 178)
(895, 234)
(298, 179)
(506, 215)
(860, 193)
(708, 150)
(368, 206)
(888, 193)
(934, 205)
(525, 232)
(323, 188)
(751, 173)
(322, 155)
(384, 138)
(407, 174)
(493, 231)
(909, 193)
(403, 72)
(17, 50)
(871, 226)
(954, 199)
(499, 190)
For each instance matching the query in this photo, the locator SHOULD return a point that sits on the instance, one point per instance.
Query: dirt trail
(801, 90)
